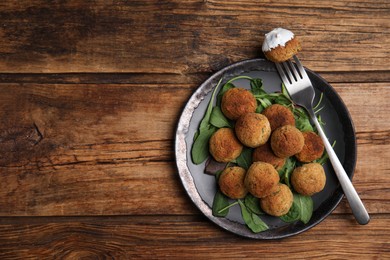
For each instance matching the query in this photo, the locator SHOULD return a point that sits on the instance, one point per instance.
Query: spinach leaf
(219, 203)
(259, 224)
(205, 123)
(223, 90)
(200, 147)
(305, 207)
(218, 119)
(245, 158)
(302, 120)
(287, 170)
(257, 86)
(252, 204)
(254, 222)
(301, 209)
(292, 215)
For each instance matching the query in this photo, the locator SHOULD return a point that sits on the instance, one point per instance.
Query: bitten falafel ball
(279, 202)
(280, 45)
(313, 147)
(286, 141)
(224, 145)
(261, 179)
(264, 153)
(308, 179)
(231, 182)
(237, 102)
(278, 116)
(253, 129)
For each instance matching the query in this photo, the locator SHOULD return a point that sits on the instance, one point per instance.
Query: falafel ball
(261, 179)
(264, 153)
(313, 147)
(237, 102)
(253, 129)
(231, 182)
(278, 116)
(286, 141)
(280, 45)
(224, 145)
(279, 202)
(308, 179)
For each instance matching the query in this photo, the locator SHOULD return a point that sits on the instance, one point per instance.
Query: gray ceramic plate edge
(187, 178)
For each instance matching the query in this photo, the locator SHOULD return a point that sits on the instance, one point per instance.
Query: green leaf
(254, 222)
(285, 92)
(319, 101)
(200, 148)
(245, 158)
(252, 204)
(218, 174)
(239, 77)
(219, 203)
(259, 224)
(218, 119)
(265, 102)
(282, 100)
(302, 120)
(205, 123)
(259, 109)
(301, 209)
(292, 215)
(257, 86)
(287, 170)
(223, 90)
(322, 160)
(305, 207)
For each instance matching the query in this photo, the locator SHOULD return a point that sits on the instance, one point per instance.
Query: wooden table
(90, 96)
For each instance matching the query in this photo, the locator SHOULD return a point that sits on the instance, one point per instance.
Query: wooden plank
(84, 149)
(193, 79)
(167, 237)
(187, 36)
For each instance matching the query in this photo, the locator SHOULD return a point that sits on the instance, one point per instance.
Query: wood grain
(178, 237)
(106, 149)
(90, 95)
(182, 37)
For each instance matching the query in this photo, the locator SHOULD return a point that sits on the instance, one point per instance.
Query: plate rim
(187, 178)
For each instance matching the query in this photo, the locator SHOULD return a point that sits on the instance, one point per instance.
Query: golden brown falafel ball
(279, 202)
(253, 129)
(264, 153)
(231, 182)
(278, 116)
(224, 145)
(237, 102)
(283, 53)
(313, 147)
(308, 179)
(261, 179)
(286, 141)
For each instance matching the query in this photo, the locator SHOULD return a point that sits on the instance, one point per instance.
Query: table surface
(90, 96)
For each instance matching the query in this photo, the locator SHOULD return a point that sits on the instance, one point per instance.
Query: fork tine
(294, 71)
(300, 67)
(285, 80)
(288, 70)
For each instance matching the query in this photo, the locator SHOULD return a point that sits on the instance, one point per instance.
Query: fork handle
(358, 209)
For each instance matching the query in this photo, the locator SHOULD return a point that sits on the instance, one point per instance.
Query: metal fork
(302, 93)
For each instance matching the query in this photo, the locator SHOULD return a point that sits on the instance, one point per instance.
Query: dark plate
(201, 187)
